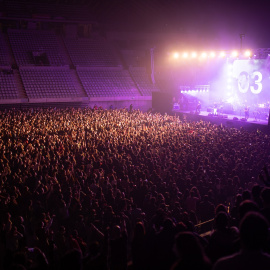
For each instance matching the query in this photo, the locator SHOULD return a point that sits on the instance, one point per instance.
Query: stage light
(204, 55)
(229, 87)
(222, 54)
(234, 54)
(194, 55)
(185, 55)
(247, 53)
(212, 54)
(176, 55)
(229, 80)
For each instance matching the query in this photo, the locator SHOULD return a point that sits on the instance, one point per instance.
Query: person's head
(246, 195)
(265, 195)
(220, 208)
(188, 246)
(221, 220)
(247, 206)
(139, 230)
(253, 231)
(256, 191)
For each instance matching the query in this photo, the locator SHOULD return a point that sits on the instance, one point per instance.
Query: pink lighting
(185, 55)
(194, 55)
(176, 55)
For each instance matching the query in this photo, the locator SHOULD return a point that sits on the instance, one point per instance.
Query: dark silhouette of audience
(111, 189)
(254, 235)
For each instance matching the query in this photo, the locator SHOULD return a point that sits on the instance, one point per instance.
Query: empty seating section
(16, 9)
(91, 52)
(133, 58)
(48, 82)
(26, 42)
(20, 9)
(8, 88)
(3, 53)
(142, 81)
(107, 82)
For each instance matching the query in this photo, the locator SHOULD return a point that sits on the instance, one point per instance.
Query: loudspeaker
(244, 119)
(235, 118)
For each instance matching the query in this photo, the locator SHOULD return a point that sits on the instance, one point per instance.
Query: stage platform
(228, 120)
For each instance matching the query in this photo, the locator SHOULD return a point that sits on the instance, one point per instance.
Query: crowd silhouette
(125, 189)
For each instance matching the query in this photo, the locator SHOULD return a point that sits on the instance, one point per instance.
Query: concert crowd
(124, 189)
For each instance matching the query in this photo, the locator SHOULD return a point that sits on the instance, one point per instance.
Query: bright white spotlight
(212, 54)
(176, 55)
(222, 54)
(234, 53)
(229, 87)
(204, 55)
(194, 55)
(185, 55)
(247, 53)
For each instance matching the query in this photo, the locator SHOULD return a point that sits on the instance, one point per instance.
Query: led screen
(251, 81)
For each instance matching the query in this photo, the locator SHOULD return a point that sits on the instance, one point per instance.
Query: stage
(228, 120)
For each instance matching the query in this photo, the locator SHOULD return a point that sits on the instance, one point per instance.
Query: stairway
(19, 84)
(77, 83)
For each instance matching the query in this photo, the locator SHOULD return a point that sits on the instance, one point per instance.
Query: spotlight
(234, 54)
(185, 55)
(247, 53)
(204, 55)
(222, 54)
(212, 54)
(176, 55)
(194, 55)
